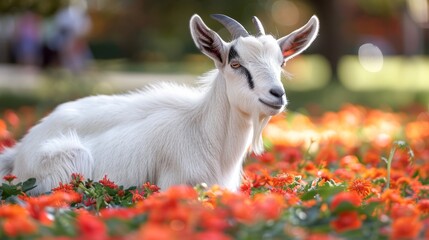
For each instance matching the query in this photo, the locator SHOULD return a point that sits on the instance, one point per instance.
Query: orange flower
(350, 197)
(269, 207)
(348, 161)
(309, 203)
(406, 228)
(19, 226)
(151, 231)
(36, 205)
(417, 130)
(12, 211)
(346, 221)
(212, 235)
(327, 154)
(282, 179)
(181, 192)
(392, 196)
(361, 187)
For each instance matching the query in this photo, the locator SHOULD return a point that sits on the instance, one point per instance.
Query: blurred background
(370, 52)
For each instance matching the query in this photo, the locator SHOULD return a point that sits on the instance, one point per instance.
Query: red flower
(64, 188)
(289, 154)
(137, 197)
(91, 227)
(216, 220)
(267, 157)
(89, 202)
(119, 213)
(77, 178)
(9, 178)
(346, 221)
(107, 183)
(12, 118)
(350, 197)
(403, 210)
(423, 206)
(246, 187)
(151, 187)
(372, 157)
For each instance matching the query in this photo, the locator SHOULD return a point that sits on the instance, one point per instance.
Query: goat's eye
(235, 65)
(282, 64)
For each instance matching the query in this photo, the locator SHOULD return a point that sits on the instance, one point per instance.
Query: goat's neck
(228, 130)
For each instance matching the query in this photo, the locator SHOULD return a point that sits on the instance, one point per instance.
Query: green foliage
(10, 191)
(45, 8)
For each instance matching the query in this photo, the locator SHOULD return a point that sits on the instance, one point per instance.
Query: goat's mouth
(272, 105)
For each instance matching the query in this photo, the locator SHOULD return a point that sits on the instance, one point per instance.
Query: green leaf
(344, 207)
(323, 191)
(369, 208)
(29, 184)
(9, 190)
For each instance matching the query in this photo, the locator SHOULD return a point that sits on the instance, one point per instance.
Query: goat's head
(252, 65)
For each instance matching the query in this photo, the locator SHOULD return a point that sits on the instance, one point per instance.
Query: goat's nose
(277, 92)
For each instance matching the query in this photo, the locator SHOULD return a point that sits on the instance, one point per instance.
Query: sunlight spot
(370, 57)
(419, 10)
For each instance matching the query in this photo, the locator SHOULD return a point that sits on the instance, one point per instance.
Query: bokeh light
(419, 10)
(285, 13)
(370, 57)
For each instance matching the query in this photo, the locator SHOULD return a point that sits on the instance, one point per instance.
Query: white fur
(167, 134)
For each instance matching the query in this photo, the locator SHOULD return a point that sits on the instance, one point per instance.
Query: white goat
(168, 134)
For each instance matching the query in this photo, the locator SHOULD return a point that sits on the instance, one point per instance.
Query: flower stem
(389, 165)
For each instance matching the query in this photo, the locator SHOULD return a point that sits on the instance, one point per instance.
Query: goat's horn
(258, 25)
(234, 27)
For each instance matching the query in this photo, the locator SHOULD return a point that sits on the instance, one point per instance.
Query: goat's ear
(299, 40)
(207, 40)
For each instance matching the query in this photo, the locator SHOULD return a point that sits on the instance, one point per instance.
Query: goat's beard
(259, 124)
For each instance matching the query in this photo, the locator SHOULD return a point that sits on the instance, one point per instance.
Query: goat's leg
(58, 159)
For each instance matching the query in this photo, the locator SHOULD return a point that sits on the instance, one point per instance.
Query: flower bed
(351, 174)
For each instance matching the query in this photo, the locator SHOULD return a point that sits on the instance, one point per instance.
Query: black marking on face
(232, 54)
(249, 77)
